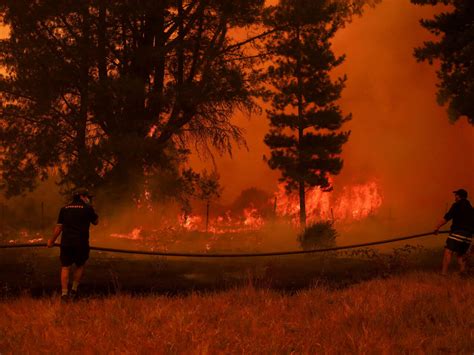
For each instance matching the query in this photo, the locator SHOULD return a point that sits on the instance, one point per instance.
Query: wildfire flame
(352, 203)
(24, 236)
(250, 220)
(253, 218)
(133, 235)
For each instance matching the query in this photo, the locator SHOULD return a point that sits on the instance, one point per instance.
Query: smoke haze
(400, 135)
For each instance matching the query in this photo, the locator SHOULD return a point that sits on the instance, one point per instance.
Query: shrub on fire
(318, 235)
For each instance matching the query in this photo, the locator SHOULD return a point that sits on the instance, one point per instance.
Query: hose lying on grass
(231, 255)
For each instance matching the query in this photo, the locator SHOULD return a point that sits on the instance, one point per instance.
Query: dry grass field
(417, 312)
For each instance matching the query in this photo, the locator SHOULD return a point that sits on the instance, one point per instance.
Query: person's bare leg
(77, 277)
(64, 279)
(446, 260)
(462, 263)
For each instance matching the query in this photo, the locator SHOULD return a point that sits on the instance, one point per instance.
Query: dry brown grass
(418, 312)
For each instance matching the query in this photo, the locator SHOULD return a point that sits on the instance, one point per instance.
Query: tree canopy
(455, 50)
(107, 92)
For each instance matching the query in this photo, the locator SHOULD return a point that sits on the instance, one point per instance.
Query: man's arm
(93, 217)
(447, 217)
(56, 233)
(439, 225)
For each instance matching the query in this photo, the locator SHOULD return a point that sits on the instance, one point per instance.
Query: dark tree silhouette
(209, 190)
(305, 138)
(108, 92)
(204, 187)
(455, 50)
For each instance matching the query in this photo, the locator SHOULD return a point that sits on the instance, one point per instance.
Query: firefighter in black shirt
(73, 226)
(462, 228)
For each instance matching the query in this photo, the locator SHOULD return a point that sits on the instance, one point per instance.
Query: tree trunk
(302, 206)
(180, 47)
(155, 106)
(207, 215)
(84, 94)
(300, 130)
(102, 43)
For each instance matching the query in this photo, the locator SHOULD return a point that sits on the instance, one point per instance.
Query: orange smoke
(399, 135)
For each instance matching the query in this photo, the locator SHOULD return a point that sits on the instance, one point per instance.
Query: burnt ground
(36, 271)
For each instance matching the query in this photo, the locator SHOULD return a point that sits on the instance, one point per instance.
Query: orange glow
(353, 203)
(133, 235)
(250, 220)
(350, 203)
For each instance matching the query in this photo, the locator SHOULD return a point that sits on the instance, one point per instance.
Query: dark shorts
(458, 247)
(74, 255)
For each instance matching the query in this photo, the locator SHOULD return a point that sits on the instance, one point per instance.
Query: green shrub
(318, 235)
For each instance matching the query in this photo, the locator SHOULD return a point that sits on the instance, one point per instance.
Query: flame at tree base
(353, 203)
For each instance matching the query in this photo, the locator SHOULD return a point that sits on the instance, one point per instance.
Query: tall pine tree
(305, 137)
(455, 51)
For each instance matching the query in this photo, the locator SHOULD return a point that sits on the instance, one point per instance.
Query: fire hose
(231, 255)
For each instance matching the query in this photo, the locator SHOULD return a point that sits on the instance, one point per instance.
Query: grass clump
(318, 235)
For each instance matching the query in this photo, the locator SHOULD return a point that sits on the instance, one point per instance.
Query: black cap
(461, 193)
(81, 192)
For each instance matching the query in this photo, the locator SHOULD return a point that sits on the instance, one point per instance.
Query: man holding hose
(73, 223)
(460, 236)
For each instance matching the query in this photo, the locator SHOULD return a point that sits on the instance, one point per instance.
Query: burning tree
(455, 49)
(304, 139)
(108, 93)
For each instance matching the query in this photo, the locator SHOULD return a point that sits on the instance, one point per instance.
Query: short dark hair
(81, 192)
(461, 193)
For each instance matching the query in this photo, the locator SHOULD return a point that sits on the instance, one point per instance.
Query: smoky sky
(400, 136)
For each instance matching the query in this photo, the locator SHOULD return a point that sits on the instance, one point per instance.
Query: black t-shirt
(462, 214)
(76, 218)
